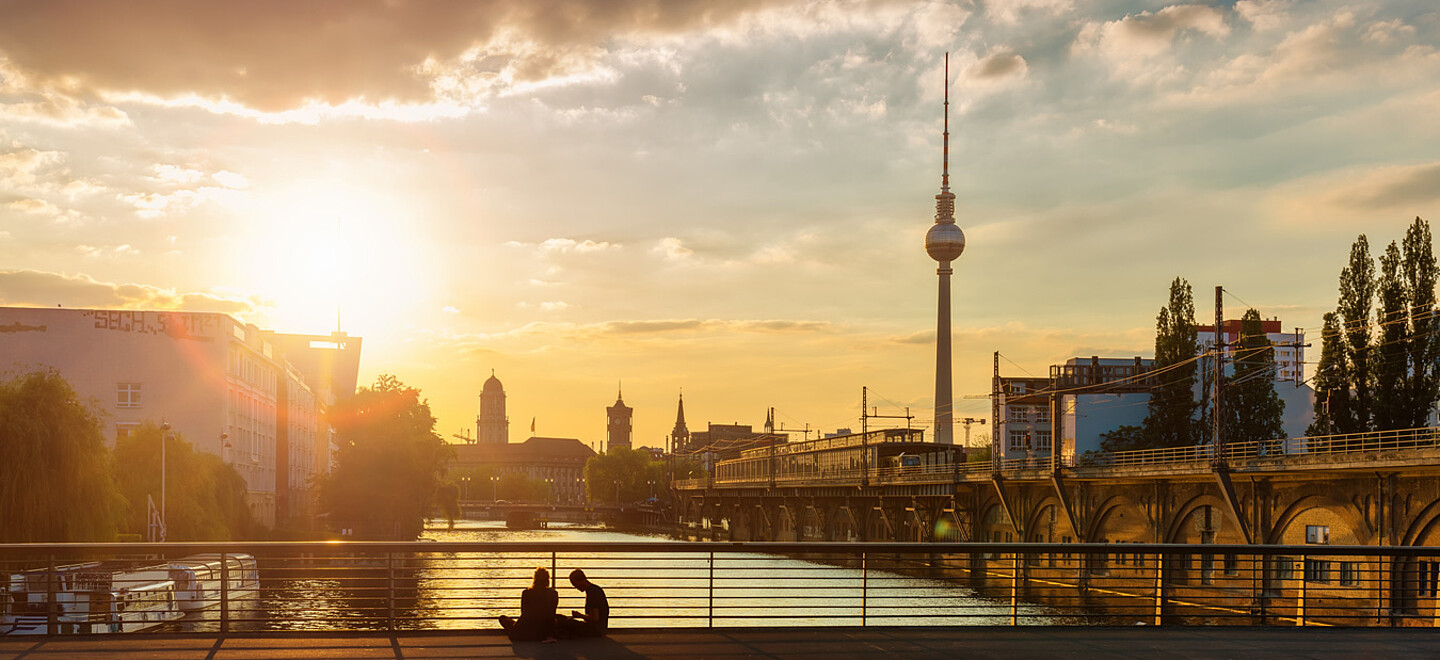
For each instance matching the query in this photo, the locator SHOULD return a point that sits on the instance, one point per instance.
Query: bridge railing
(1374, 441)
(454, 585)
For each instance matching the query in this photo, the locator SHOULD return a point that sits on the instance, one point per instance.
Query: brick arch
(1039, 521)
(1108, 507)
(811, 524)
(1356, 528)
(993, 519)
(841, 524)
(948, 528)
(1218, 509)
(1425, 522)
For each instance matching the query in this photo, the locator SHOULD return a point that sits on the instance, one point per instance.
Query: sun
(330, 253)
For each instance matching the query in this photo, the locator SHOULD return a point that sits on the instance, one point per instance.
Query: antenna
(945, 172)
(338, 233)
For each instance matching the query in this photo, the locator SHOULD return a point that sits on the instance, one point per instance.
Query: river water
(469, 590)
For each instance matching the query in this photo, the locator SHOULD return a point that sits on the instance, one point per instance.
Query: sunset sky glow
(725, 197)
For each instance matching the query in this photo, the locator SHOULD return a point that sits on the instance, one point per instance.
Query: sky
(726, 199)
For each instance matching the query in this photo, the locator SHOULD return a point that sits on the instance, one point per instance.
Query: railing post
(390, 591)
(1015, 589)
(864, 590)
(1304, 580)
(554, 575)
(1160, 588)
(711, 615)
(52, 604)
(224, 594)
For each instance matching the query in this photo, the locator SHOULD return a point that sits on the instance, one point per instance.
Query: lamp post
(164, 440)
(617, 493)
(494, 489)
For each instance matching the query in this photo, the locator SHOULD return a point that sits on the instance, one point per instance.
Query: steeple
(680, 435)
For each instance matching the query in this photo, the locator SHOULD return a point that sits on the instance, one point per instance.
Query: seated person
(537, 612)
(595, 620)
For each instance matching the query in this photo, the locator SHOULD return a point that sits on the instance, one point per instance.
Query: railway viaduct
(1377, 489)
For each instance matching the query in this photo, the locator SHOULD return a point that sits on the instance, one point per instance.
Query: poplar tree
(1389, 358)
(1170, 421)
(1419, 275)
(1357, 293)
(1253, 412)
(1331, 381)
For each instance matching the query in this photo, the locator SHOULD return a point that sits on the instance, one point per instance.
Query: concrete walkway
(823, 643)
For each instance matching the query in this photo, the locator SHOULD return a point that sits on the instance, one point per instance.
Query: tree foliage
(1170, 421)
(1357, 293)
(633, 470)
(1253, 412)
(56, 481)
(1380, 369)
(204, 496)
(389, 464)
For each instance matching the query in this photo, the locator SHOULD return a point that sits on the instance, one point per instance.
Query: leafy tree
(205, 497)
(389, 463)
(56, 481)
(1419, 274)
(632, 469)
(1357, 292)
(1170, 421)
(1124, 438)
(1253, 412)
(1331, 381)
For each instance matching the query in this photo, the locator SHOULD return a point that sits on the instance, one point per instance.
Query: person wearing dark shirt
(595, 620)
(537, 612)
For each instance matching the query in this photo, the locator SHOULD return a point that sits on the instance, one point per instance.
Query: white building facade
(218, 383)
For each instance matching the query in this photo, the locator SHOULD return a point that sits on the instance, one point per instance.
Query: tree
(205, 497)
(1253, 412)
(1419, 274)
(628, 472)
(389, 464)
(1170, 421)
(1389, 357)
(56, 481)
(1357, 291)
(1331, 380)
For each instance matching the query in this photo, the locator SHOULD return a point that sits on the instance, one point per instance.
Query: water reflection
(469, 590)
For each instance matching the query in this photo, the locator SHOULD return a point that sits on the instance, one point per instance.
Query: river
(469, 590)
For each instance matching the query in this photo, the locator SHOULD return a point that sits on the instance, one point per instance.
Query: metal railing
(412, 586)
(1279, 448)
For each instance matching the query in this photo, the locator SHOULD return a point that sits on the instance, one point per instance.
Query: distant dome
(945, 241)
(492, 385)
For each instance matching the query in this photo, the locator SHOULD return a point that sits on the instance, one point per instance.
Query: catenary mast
(944, 243)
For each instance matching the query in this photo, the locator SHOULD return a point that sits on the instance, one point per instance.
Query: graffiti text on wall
(177, 326)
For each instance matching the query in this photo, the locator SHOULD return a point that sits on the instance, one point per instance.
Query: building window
(1317, 534)
(1017, 388)
(124, 430)
(1042, 415)
(1020, 414)
(1018, 441)
(1349, 573)
(127, 395)
(1317, 570)
(1284, 568)
(1042, 441)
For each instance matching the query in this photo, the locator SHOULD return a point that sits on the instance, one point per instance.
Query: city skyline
(726, 200)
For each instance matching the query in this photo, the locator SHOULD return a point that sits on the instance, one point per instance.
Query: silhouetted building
(559, 462)
(492, 427)
(618, 428)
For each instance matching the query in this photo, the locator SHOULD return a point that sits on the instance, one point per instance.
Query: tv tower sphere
(945, 241)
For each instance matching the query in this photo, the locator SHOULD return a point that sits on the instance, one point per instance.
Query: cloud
(1336, 198)
(999, 64)
(277, 55)
(31, 287)
(672, 249)
(1009, 12)
(1264, 15)
(1131, 41)
(553, 246)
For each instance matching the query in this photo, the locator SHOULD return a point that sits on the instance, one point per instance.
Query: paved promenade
(824, 643)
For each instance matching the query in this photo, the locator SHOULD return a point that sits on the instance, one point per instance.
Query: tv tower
(944, 243)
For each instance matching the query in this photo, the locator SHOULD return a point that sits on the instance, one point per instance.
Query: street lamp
(164, 437)
(494, 489)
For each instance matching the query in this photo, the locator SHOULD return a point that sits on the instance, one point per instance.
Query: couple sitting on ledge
(539, 622)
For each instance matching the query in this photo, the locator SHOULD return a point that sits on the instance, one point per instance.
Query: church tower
(680, 435)
(492, 426)
(617, 432)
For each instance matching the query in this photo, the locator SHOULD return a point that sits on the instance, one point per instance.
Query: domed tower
(617, 432)
(944, 243)
(492, 426)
